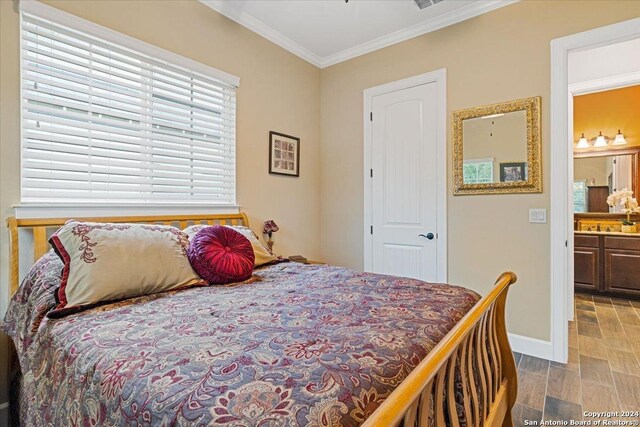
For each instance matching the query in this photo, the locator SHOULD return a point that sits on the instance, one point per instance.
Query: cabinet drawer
(628, 243)
(585, 241)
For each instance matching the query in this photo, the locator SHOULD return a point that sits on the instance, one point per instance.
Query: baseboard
(4, 414)
(531, 346)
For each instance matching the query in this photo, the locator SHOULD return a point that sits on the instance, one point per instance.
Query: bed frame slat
(468, 416)
(451, 391)
(40, 244)
(480, 370)
(426, 404)
(475, 401)
(488, 385)
(14, 256)
(439, 397)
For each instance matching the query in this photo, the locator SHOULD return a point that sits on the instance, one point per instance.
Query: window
(477, 171)
(580, 196)
(104, 121)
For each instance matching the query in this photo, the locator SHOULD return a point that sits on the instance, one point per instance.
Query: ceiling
(325, 32)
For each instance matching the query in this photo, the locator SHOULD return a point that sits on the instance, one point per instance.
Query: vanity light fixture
(619, 139)
(601, 141)
(583, 143)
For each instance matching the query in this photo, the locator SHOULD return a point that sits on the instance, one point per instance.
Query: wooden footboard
(469, 378)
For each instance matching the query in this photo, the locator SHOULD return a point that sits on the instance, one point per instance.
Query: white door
(404, 190)
(621, 172)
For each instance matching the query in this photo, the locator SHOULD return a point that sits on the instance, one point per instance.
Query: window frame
(74, 207)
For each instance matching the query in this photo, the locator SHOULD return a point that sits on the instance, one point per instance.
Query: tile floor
(602, 373)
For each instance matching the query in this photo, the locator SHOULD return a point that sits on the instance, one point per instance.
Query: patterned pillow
(221, 255)
(108, 262)
(262, 254)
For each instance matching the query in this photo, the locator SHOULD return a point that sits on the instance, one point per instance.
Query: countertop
(608, 233)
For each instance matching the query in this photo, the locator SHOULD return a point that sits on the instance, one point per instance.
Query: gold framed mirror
(497, 148)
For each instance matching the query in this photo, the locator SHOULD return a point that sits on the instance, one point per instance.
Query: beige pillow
(263, 256)
(107, 262)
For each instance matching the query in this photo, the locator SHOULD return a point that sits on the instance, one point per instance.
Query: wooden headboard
(39, 226)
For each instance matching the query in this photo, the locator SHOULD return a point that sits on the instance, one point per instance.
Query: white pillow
(108, 262)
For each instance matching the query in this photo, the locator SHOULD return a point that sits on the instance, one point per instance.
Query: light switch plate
(538, 216)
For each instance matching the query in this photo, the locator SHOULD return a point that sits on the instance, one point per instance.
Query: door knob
(428, 236)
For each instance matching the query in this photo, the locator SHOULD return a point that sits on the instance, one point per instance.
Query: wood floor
(603, 371)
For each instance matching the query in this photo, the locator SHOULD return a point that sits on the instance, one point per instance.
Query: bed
(294, 345)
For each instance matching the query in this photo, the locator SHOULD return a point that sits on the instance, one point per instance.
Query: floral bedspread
(296, 345)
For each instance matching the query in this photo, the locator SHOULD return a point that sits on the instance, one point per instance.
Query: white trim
(569, 279)
(74, 210)
(227, 9)
(439, 77)
(33, 7)
(471, 10)
(455, 16)
(561, 215)
(607, 83)
(531, 346)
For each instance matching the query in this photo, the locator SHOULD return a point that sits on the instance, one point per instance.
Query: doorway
(561, 180)
(405, 178)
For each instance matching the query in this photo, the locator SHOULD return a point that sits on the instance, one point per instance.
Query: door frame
(439, 77)
(577, 89)
(561, 147)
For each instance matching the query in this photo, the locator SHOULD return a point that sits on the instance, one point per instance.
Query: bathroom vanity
(607, 263)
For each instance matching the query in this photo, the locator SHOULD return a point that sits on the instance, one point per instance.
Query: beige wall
(278, 91)
(499, 56)
(596, 168)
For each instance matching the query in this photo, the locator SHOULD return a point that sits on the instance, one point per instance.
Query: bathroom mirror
(497, 148)
(596, 174)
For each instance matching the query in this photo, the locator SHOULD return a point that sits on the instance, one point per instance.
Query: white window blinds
(102, 122)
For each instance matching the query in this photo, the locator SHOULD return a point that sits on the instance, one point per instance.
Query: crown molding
(455, 16)
(262, 29)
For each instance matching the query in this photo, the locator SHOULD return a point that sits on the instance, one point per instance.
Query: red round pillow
(221, 255)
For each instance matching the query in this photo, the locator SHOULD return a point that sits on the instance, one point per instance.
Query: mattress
(295, 345)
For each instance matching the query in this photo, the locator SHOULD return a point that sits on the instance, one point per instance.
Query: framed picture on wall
(284, 154)
(510, 172)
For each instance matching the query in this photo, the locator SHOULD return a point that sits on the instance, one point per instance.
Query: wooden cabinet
(587, 268)
(586, 259)
(607, 264)
(597, 198)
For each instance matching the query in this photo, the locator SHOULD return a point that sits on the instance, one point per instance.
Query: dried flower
(270, 227)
